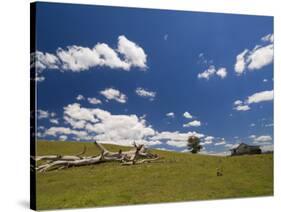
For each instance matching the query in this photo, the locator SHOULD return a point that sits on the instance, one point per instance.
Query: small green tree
(193, 144)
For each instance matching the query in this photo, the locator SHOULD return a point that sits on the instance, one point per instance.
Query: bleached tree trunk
(137, 155)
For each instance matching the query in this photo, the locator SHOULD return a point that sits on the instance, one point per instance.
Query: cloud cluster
(261, 139)
(114, 94)
(255, 59)
(101, 125)
(77, 58)
(194, 123)
(94, 101)
(175, 136)
(145, 93)
(262, 96)
(222, 142)
(44, 114)
(211, 71)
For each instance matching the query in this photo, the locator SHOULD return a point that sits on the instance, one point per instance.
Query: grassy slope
(176, 177)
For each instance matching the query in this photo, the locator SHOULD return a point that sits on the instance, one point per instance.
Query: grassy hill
(176, 177)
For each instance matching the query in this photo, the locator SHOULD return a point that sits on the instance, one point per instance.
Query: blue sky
(137, 72)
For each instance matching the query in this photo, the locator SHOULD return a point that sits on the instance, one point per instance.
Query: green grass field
(176, 177)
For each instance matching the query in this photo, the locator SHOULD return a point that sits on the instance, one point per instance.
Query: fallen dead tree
(138, 155)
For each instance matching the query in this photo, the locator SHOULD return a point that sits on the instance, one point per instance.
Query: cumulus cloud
(80, 97)
(187, 115)
(54, 131)
(211, 71)
(114, 94)
(63, 137)
(238, 102)
(105, 127)
(94, 101)
(179, 144)
(263, 138)
(208, 140)
(222, 142)
(255, 59)
(54, 121)
(221, 72)
(46, 60)
(78, 58)
(242, 107)
(260, 97)
(171, 114)
(260, 57)
(207, 73)
(145, 93)
(194, 123)
(134, 55)
(240, 64)
(268, 38)
(175, 136)
(44, 114)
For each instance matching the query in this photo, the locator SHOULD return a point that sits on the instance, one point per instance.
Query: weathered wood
(137, 155)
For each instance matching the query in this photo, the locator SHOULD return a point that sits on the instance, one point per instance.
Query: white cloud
(207, 73)
(163, 149)
(44, 114)
(194, 123)
(221, 72)
(263, 138)
(80, 97)
(242, 108)
(54, 131)
(171, 114)
(133, 54)
(145, 93)
(260, 57)
(211, 71)
(166, 37)
(101, 125)
(78, 58)
(209, 139)
(177, 143)
(260, 97)
(257, 58)
(240, 64)
(230, 146)
(63, 137)
(94, 101)
(44, 61)
(238, 102)
(176, 136)
(187, 115)
(222, 142)
(265, 80)
(114, 94)
(252, 136)
(54, 121)
(268, 38)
